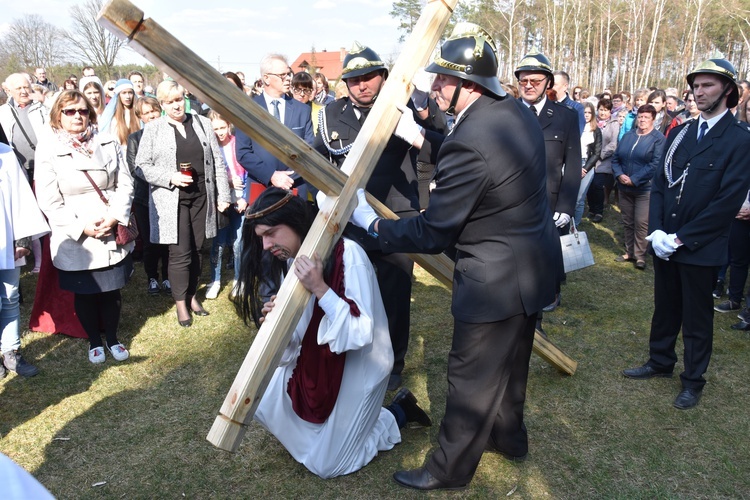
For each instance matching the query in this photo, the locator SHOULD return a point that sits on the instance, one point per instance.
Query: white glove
(560, 219)
(363, 216)
(663, 244)
(407, 129)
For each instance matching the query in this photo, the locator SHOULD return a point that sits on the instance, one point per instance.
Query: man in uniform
(703, 181)
(490, 204)
(393, 182)
(562, 143)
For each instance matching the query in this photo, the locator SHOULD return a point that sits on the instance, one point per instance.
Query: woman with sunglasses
(73, 162)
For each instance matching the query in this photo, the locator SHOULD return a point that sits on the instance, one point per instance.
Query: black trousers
(97, 310)
(596, 194)
(488, 367)
(184, 256)
(152, 252)
(682, 299)
(739, 258)
(394, 273)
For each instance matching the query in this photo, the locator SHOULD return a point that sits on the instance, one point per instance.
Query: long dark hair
(260, 271)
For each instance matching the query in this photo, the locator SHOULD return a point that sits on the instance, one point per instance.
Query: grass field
(139, 427)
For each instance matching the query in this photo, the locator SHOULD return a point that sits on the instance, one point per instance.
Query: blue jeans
(229, 235)
(584, 187)
(9, 309)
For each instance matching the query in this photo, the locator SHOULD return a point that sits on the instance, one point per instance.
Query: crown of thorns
(268, 210)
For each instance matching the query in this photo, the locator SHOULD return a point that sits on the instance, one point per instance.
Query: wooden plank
(126, 20)
(263, 356)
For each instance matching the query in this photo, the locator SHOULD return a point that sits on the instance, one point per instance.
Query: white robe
(358, 426)
(20, 216)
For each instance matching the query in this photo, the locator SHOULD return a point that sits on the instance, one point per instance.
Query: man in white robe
(20, 222)
(352, 324)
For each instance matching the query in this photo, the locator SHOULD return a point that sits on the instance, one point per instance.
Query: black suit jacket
(259, 162)
(490, 202)
(716, 185)
(562, 143)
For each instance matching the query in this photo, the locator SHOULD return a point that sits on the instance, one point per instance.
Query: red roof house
(328, 63)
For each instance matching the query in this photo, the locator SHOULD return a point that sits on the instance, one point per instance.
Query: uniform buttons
(674, 215)
(688, 164)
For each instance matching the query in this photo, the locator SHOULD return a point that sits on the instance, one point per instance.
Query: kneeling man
(324, 400)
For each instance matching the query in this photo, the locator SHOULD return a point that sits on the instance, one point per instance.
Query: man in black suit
(490, 204)
(261, 165)
(703, 181)
(393, 182)
(562, 144)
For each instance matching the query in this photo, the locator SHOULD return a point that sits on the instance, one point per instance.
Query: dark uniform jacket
(490, 202)
(715, 187)
(394, 179)
(562, 143)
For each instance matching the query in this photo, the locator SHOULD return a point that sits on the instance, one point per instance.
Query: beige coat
(69, 201)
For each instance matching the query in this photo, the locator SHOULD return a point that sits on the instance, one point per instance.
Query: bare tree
(33, 42)
(93, 43)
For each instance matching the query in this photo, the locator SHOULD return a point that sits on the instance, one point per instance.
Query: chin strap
(452, 108)
(720, 98)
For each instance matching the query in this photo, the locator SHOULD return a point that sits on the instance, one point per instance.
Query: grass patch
(141, 425)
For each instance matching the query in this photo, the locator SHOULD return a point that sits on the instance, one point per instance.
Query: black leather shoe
(553, 305)
(513, 458)
(644, 372)
(687, 399)
(200, 312)
(408, 402)
(421, 479)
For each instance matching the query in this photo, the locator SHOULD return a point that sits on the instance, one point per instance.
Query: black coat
(490, 202)
(715, 187)
(562, 143)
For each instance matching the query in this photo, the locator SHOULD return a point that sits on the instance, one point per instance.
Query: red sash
(316, 380)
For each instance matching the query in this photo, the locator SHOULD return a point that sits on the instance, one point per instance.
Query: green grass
(141, 425)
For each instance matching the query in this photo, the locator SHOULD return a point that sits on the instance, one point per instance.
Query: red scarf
(316, 380)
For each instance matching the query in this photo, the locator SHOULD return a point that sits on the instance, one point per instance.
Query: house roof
(328, 63)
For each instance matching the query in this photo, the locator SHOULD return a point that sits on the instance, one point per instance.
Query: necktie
(702, 131)
(276, 114)
(363, 112)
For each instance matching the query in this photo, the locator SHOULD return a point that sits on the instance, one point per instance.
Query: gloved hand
(363, 215)
(662, 243)
(561, 219)
(407, 129)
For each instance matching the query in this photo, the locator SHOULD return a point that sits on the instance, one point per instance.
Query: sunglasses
(72, 112)
(533, 82)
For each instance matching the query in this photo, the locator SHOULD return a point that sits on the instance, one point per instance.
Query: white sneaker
(212, 291)
(118, 352)
(96, 355)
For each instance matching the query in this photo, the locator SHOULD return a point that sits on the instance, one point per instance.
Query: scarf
(316, 380)
(81, 142)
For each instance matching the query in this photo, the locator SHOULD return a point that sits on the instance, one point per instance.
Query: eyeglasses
(534, 82)
(72, 112)
(301, 91)
(282, 76)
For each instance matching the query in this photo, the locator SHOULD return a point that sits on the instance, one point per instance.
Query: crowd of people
(504, 184)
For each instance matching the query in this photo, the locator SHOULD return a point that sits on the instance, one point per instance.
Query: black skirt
(91, 281)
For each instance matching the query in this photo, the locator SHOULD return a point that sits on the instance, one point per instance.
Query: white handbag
(576, 250)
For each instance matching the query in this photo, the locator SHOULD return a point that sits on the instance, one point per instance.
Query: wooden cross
(154, 43)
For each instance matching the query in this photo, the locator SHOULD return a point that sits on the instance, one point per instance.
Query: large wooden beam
(157, 45)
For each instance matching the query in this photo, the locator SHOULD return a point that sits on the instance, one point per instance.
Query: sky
(234, 35)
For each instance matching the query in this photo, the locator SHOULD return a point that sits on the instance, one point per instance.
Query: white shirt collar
(538, 105)
(711, 122)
